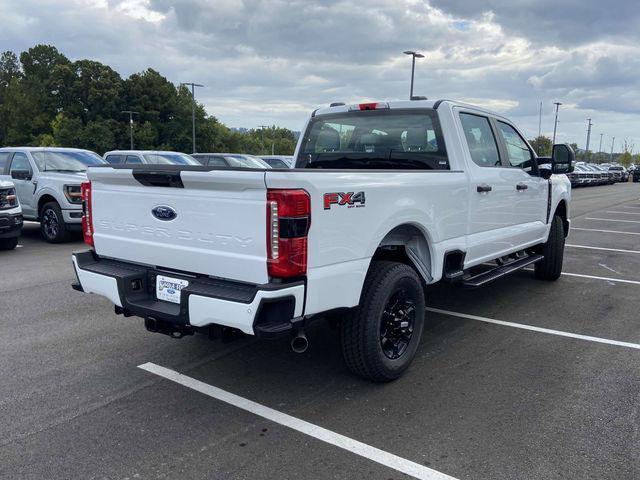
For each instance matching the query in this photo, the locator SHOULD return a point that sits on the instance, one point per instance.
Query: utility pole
(600, 147)
(262, 127)
(555, 124)
(193, 110)
(611, 155)
(414, 55)
(540, 121)
(586, 150)
(131, 114)
(273, 141)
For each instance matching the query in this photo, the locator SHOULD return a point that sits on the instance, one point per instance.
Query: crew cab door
(529, 195)
(21, 173)
(504, 215)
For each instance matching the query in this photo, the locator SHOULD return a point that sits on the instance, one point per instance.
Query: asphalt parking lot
(551, 393)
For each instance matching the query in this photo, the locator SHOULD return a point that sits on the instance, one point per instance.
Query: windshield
(408, 139)
(247, 161)
(168, 158)
(70, 161)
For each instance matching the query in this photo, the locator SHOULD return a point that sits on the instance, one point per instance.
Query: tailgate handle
(151, 178)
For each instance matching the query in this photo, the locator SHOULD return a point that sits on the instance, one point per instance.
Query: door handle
(521, 186)
(483, 188)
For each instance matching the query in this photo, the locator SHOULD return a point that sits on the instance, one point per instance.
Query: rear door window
(115, 159)
(480, 140)
(20, 162)
(4, 159)
(216, 161)
(133, 159)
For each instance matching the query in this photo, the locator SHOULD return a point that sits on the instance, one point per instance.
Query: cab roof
(399, 104)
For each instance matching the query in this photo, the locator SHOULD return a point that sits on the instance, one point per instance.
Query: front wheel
(380, 338)
(550, 267)
(8, 243)
(52, 225)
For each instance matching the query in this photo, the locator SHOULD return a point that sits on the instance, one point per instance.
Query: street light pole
(414, 55)
(600, 147)
(193, 110)
(540, 121)
(611, 155)
(555, 124)
(586, 150)
(262, 127)
(131, 114)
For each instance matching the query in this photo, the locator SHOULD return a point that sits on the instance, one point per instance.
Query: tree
(45, 99)
(542, 145)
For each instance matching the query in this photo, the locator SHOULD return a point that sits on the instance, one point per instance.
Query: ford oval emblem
(164, 212)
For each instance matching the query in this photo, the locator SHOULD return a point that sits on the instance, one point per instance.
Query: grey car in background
(148, 157)
(230, 160)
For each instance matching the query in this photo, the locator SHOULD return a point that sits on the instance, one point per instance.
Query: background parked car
(151, 157)
(47, 182)
(607, 176)
(585, 176)
(230, 160)
(278, 161)
(10, 216)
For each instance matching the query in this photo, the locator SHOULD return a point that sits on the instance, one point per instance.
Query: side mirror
(562, 159)
(21, 174)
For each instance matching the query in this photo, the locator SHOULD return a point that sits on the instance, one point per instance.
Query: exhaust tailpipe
(299, 342)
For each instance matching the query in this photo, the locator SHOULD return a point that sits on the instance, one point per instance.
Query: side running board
(500, 271)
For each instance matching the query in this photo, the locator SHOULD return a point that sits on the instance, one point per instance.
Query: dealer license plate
(168, 288)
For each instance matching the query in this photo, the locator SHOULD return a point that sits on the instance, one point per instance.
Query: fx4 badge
(338, 198)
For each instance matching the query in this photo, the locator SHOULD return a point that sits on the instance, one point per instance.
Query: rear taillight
(288, 221)
(87, 220)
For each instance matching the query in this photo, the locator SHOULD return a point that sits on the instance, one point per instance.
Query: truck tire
(52, 225)
(380, 338)
(550, 267)
(8, 243)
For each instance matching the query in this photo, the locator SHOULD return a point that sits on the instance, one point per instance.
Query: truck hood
(68, 177)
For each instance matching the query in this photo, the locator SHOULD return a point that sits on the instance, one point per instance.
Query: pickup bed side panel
(343, 238)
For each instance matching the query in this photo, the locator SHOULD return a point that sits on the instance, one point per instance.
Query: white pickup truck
(385, 199)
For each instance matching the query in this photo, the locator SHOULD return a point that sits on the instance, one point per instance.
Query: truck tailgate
(218, 226)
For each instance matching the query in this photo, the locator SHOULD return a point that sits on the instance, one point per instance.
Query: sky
(267, 62)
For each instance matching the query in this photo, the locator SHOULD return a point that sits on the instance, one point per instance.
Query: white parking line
(612, 220)
(604, 231)
(588, 247)
(536, 329)
(607, 279)
(625, 213)
(374, 454)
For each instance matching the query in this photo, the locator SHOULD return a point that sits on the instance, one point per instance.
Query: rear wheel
(380, 338)
(8, 243)
(52, 225)
(550, 267)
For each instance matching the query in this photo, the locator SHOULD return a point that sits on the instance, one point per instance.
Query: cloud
(273, 61)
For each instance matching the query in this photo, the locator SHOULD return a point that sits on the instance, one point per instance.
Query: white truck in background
(10, 216)
(47, 182)
(385, 199)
